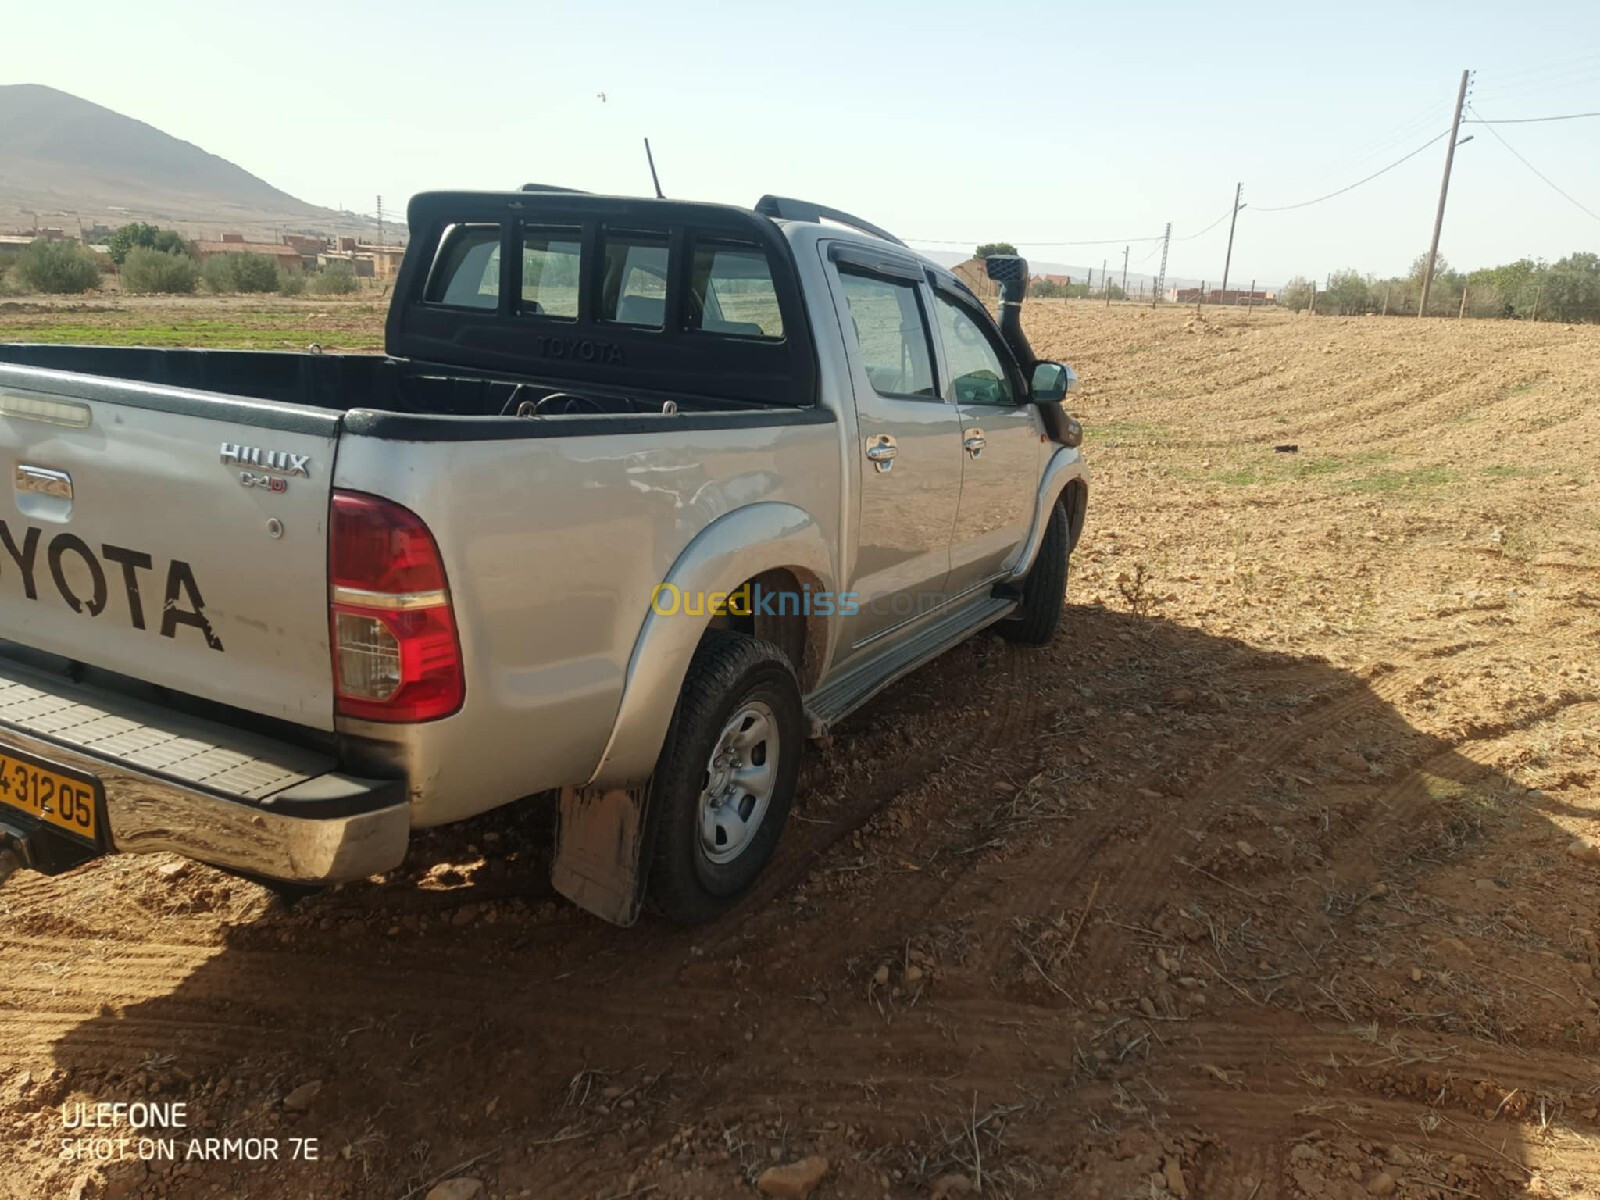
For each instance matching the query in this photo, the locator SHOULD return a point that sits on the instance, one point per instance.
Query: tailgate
(175, 536)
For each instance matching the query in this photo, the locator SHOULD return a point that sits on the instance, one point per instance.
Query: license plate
(50, 794)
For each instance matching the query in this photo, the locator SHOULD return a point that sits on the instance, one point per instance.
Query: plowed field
(1276, 875)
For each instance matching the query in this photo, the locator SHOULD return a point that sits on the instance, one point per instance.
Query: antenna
(654, 178)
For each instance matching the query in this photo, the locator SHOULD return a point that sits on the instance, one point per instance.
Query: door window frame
(848, 259)
(1021, 393)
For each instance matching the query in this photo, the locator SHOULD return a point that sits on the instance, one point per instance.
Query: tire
(1044, 592)
(713, 830)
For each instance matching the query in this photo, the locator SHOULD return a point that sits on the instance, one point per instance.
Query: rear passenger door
(908, 445)
(1000, 443)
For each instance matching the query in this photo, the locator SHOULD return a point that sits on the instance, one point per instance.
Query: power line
(1031, 242)
(1206, 230)
(1530, 120)
(1562, 83)
(1552, 183)
(1392, 141)
(1357, 183)
(1542, 68)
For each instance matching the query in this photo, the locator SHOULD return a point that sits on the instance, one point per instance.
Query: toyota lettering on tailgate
(181, 603)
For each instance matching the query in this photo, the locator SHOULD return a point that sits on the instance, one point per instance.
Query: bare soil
(1274, 876)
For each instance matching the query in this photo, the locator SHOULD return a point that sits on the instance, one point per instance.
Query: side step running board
(866, 679)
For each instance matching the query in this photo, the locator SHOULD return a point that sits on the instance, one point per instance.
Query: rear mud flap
(600, 842)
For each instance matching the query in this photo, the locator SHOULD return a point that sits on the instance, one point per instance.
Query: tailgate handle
(43, 481)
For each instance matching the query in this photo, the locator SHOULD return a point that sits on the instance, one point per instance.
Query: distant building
(1177, 295)
(366, 260)
(288, 258)
(13, 244)
(386, 260)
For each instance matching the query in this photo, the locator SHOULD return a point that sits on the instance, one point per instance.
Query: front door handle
(975, 442)
(881, 450)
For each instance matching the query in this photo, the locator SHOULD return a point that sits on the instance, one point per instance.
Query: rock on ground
(793, 1181)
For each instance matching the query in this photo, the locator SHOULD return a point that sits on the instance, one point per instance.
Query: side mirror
(1052, 381)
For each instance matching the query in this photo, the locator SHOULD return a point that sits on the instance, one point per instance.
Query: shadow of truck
(1149, 903)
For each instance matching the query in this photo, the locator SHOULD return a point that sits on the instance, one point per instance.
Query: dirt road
(1259, 882)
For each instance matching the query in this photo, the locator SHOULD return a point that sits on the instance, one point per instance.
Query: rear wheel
(726, 777)
(1044, 593)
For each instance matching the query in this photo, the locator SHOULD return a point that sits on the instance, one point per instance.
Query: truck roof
(792, 216)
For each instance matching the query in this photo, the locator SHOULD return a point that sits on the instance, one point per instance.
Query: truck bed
(342, 382)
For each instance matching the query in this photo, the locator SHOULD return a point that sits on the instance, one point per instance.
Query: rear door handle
(881, 451)
(975, 442)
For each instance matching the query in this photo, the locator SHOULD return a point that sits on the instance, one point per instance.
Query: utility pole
(1125, 250)
(1160, 284)
(380, 220)
(1228, 261)
(1103, 275)
(1444, 190)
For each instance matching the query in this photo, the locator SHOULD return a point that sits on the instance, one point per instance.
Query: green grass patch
(273, 331)
(1267, 467)
(1125, 432)
(1389, 482)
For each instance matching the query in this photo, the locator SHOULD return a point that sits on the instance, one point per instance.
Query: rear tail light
(395, 652)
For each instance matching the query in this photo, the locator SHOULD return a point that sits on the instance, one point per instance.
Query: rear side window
(466, 273)
(550, 260)
(892, 333)
(634, 289)
(731, 292)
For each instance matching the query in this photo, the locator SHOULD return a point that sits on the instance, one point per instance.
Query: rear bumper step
(195, 788)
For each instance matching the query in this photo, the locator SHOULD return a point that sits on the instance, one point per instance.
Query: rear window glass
(634, 290)
(892, 334)
(466, 273)
(550, 260)
(731, 292)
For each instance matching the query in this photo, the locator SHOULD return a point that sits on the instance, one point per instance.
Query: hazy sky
(1036, 122)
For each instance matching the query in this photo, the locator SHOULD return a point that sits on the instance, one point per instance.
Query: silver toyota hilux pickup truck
(644, 494)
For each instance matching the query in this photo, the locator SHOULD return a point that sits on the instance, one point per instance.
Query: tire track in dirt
(1007, 720)
(1139, 891)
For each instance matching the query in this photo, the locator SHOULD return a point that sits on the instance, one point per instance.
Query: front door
(908, 452)
(1000, 439)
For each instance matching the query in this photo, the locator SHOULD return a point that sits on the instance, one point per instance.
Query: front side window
(891, 333)
(634, 290)
(550, 260)
(731, 292)
(977, 374)
(466, 272)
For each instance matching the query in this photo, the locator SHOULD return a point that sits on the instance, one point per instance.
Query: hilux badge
(279, 462)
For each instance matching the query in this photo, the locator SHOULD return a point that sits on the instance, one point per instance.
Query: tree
(335, 279)
(1347, 292)
(988, 248)
(1296, 294)
(57, 267)
(158, 271)
(240, 273)
(1572, 288)
(124, 240)
(1419, 267)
